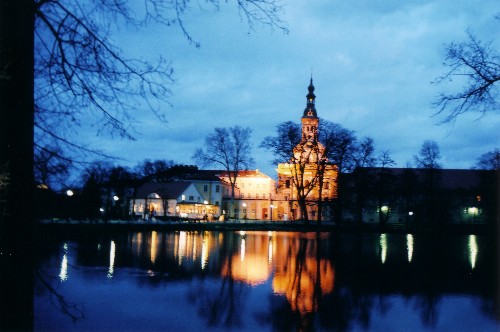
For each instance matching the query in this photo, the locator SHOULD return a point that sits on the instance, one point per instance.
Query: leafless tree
(477, 65)
(78, 77)
(489, 160)
(230, 149)
(428, 156)
(301, 156)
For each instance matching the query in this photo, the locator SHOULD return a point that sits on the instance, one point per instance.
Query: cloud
(372, 64)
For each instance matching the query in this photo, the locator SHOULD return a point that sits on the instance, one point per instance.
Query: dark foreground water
(281, 281)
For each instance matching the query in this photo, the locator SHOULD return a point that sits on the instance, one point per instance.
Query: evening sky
(372, 62)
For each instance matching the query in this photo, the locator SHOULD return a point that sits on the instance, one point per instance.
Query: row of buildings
(369, 195)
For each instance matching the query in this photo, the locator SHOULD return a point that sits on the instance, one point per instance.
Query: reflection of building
(308, 173)
(291, 258)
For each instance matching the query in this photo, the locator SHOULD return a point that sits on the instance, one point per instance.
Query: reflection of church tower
(310, 118)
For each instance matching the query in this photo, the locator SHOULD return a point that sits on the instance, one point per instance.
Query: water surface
(280, 281)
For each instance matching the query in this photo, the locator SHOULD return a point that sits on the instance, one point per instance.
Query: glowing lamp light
(116, 198)
(410, 213)
(69, 192)
(384, 208)
(473, 210)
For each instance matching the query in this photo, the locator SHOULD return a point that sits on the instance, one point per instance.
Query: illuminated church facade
(307, 178)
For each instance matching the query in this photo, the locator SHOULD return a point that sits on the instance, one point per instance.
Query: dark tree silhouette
(489, 160)
(478, 65)
(229, 149)
(78, 76)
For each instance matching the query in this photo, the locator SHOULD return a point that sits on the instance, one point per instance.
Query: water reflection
(112, 252)
(409, 246)
(473, 250)
(383, 247)
(63, 275)
(277, 280)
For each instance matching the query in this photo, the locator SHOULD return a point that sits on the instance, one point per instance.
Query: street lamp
(244, 205)
(69, 192)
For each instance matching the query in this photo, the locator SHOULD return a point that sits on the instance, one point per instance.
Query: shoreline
(263, 225)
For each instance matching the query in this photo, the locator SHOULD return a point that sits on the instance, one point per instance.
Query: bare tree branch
(478, 65)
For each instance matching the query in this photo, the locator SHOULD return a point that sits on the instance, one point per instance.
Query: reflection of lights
(473, 250)
(409, 246)
(204, 250)
(270, 250)
(182, 246)
(243, 245)
(112, 251)
(383, 247)
(63, 274)
(154, 246)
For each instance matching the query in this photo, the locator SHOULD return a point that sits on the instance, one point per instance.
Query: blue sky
(372, 63)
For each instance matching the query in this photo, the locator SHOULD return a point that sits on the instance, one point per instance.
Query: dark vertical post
(16, 164)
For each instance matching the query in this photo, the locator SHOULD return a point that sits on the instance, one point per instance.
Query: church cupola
(310, 118)
(310, 110)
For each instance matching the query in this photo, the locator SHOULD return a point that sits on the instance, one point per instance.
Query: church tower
(308, 178)
(310, 118)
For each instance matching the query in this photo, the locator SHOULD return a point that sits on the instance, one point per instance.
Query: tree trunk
(16, 163)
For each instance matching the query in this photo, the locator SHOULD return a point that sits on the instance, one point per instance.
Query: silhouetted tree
(305, 159)
(230, 149)
(340, 144)
(384, 185)
(489, 160)
(152, 170)
(428, 160)
(51, 169)
(478, 64)
(363, 157)
(78, 76)
(428, 156)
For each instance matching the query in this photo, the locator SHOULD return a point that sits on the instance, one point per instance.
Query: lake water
(267, 281)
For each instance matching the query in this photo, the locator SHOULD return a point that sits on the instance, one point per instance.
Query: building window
(205, 188)
(217, 188)
(191, 198)
(263, 195)
(183, 197)
(287, 184)
(257, 196)
(327, 185)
